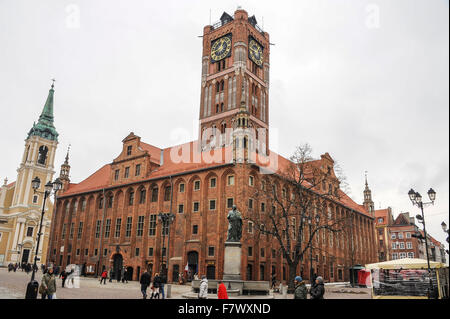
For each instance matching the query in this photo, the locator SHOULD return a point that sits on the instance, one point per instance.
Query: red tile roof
(382, 213)
(174, 164)
(153, 151)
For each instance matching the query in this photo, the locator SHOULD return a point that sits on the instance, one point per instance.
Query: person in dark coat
(124, 275)
(318, 290)
(300, 288)
(145, 282)
(63, 276)
(155, 287)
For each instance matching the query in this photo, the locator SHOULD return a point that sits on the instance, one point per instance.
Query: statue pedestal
(232, 261)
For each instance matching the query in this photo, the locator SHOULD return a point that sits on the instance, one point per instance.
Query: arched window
(222, 85)
(167, 191)
(142, 194)
(110, 200)
(131, 198)
(155, 194)
(43, 150)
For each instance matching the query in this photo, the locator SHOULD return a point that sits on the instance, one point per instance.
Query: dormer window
(129, 148)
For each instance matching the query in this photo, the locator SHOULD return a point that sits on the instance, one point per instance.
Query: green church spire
(44, 127)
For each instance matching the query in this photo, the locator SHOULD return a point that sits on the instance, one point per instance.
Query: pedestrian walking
(318, 290)
(56, 271)
(10, 267)
(300, 288)
(111, 274)
(156, 286)
(145, 282)
(161, 287)
(274, 281)
(222, 291)
(124, 275)
(63, 276)
(48, 285)
(16, 265)
(203, 291)
(104, 277)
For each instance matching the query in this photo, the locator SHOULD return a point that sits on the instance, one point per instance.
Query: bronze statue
(234, 225)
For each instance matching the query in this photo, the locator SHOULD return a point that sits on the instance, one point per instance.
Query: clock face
(220, 49)
(255, 52)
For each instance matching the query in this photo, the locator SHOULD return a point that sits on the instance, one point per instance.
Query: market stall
(408, 278)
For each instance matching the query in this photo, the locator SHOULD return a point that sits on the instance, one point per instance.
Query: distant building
(383, 219)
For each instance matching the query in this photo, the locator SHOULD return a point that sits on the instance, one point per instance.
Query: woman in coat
(318, 290)
(48, 284)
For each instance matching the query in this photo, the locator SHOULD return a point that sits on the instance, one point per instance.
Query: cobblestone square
(13, 286)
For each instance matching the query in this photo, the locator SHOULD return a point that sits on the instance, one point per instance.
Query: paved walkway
(13, 286)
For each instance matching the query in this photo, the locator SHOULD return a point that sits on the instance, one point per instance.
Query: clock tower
(235, 77)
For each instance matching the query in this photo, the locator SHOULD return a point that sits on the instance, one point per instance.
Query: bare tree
(296, 200)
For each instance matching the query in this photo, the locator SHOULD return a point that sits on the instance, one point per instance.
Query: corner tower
(235, 67)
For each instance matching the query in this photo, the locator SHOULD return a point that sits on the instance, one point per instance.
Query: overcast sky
(366, 81)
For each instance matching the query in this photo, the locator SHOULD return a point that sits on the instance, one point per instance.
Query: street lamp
(59, 183)
(416, 200)
(33, 285)
(166, 219)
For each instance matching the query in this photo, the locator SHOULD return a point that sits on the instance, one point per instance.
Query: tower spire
(44, 127)
(67, 156)
(368, 202)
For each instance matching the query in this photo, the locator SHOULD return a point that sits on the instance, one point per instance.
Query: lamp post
(56, 186)
(57, 182)
(166, 219)
(416, 200)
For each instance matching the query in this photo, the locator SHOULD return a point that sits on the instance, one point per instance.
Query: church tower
(20, 205)
(38, 156)
(235, 67)
(368, 202)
